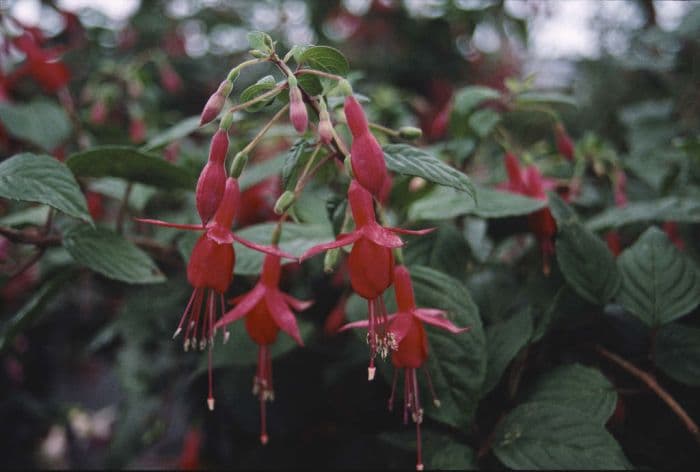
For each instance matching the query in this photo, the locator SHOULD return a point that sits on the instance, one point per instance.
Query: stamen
(393, 389)
(436, 401)
(210, 400)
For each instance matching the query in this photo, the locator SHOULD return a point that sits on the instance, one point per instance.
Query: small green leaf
(504, 340)
(483, 122)
(326, 59)
(310, 84)
(547, 98)
(409, 160)
(111, 255)
(587, 264)
(468, 98)
(537, 435)
(659, 283)
(262, 86)
(581, 388)
(40, 122)
(132, 165)
(42, 179)
(260, 41)
(678, 353)
(177, 131)
(446, 203)
(35, 215)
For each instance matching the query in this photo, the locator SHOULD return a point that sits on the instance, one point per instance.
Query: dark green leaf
(659, 283)
(310, 84)
(537, 435)
(468, 98)
(262, 86)
(445, 203)
(35, 215)
(587, 264)
(111, 255)
(175, 132)
(326, 59)
(443, 249)
(504, 340)
(561, 212)
(409, 160)
(261, 171)
(483, 122)
(293, 164)
(577, 387)
(679, 209)
(42, 179)
(41, 123)
(678, 353)
(130, 164)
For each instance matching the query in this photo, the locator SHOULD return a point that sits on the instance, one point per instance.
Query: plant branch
(658, 390)
(270, 93)
(319, 73)
(265, 129)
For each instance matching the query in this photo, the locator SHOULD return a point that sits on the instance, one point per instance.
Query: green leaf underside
(577, 387)
(540, 435)
(293, 163)
(326, 59)
(587, 264)
(262, 86)
(504, 340)
(177, 131)
(42, 179)
(678, 353)
(446, 203)
(468, 98)
(659, 284)
(130, 164)
(42, 123)
(409, 160)
(679, 209)
(108, 253)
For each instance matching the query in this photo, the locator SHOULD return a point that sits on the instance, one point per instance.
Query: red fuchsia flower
(212, 179)
(42, 64)
(530, 182)
(267, 310)
(98, 112)
(366, 155)
(406, 329)
(169, 79)
(137, 130)
(371, 265)
(297, 110)
(565, 145)
(210, 272)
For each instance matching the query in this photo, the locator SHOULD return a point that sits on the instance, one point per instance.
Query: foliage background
(91, 378)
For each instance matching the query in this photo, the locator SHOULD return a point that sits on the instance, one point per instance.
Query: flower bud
(410, 132)
(330, 260)
(216, 102)
(325, 127)
(169, 79)
(564, 144)
(98, 112)
(212, 180)
(297, 110)
(238, 164)
(285, 201)
(344, 87)
(137, 130)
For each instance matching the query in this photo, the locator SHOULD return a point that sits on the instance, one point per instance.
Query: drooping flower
(371, 264)
(529, 181)
(267, 310)
(406, 329)
(210, 272)
(41, 64)
(212, 179)
(565, 145)
(366, 155)
(297, 110)
(215, 102)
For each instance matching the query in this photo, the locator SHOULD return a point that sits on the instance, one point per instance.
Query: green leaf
(587, 264)
(441, 451)
(113, 187)
(326, 59)
(483, 122)
(295, 239)
(130, 164)
(504, 340)
(35, 215)
(457, 363)
(468, 98)
(310, 84)
(177, 131)
(444, 250)
(445, 203)
(293, 164)
(259, 172)
(262, 86)
(260, 41)
(659, 283)
(580, 388)
(40, 122)
(42, 179)
(111, 255)
(409, 160)
(679, 209)
(537, 435)
(561, 212)
(32, 308)
(678, 353)
(548, 98)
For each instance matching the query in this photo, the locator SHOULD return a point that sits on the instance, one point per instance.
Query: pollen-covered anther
(371, 371)
(417, 416)
(186, 344)
(177, 331)
(210, 403)
(227, 335)
(202, 344)
(437, 403)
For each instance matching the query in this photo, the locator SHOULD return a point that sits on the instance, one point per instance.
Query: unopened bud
(226, 122)
(344, 87)
(325, 128)
(410, 132)
(257, 53)
(216, 102)
(330, 260)
(297, 109)
(348, 167)
(285, 201)
(238, 164)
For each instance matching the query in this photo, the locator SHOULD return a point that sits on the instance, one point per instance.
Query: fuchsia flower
(42, 64)
(529, 181)
(405, 328)
(565, 145)
(297, 110)
(266, 310)
(210, 272)
(366, 155)
(212, 179)
(169, 78)
(371, 264)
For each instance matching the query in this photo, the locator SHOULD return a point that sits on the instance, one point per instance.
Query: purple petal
(170, 225)
(247, 302)
(298, 305)
(341, 240)
(282, 315)
(437, 318)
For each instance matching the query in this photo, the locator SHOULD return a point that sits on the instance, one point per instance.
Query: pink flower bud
(325, 128)
(215, 103)
(366, 155)
(564, 144)
(137, 130)
(169, 79)
(297, 110)
(212, 180)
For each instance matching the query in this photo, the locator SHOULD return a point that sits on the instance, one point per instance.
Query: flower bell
(366, 155)
(267, 310)
(371, 265)
(406, 329)
(212, 179)
(297, 109)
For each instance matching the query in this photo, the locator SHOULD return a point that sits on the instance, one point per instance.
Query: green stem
(264, 130)
(319, 73)
(270, 93)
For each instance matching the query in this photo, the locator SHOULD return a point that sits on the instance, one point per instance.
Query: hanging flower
(371, 265)
(267, 310)
(406, 329)
(565, 145)
(297, 109)
(210, 272)
(212, 179)
(42, 64)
